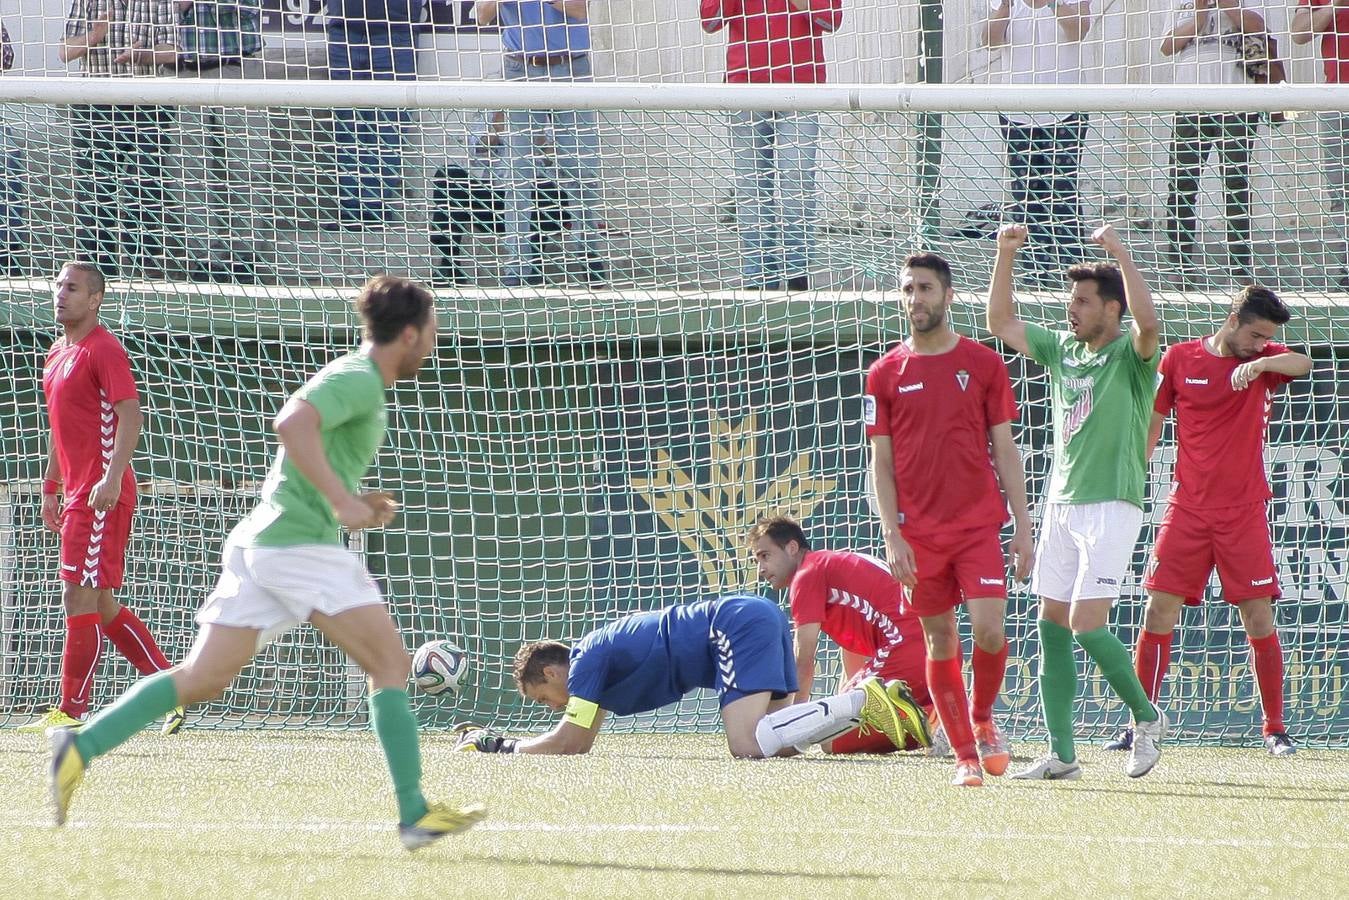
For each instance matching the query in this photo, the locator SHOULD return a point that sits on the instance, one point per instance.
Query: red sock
(947, 684)
(132, 639)
(989, 671)
(1152, 659)
(79, 660)
(1267, 658)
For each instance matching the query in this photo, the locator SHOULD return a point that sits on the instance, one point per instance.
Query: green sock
(147, 700)
(1113, 659)
(1058, 687)
(396, 727)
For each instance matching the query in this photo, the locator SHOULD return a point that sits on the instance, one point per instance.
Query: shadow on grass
(1200, 792)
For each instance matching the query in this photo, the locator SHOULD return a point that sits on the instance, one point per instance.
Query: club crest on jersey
(963, 378)
(70, 364)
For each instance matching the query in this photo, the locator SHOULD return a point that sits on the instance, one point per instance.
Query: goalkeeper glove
(481, 741)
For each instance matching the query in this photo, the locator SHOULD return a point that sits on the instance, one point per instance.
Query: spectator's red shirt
(1220, 460)
(771, 41)
(1334, 43)
(82, 382)
(855, 600)
(937, 410)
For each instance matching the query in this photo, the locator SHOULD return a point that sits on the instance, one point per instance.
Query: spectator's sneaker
(968, 774)
(993, 751)
(1123, 741)
(1278, 743)
(1051, 768)
(439, 821)
(52, 718)
(1147, 747)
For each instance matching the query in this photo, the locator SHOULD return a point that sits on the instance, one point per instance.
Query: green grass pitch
(310, 814)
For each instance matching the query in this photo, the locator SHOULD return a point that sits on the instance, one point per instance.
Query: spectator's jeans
(370, 141)
(1192, 138)
(1043, 162)
(774, 193)
(11, 196)
(1335, 141)
(574, 166)
(121, 191)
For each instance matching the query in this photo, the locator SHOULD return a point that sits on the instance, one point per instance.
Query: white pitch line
(319, 826)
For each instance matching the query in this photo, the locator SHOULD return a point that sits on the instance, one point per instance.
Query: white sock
(809, 723)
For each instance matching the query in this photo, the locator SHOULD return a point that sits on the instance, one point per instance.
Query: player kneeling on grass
(285, 564)
(739, 646)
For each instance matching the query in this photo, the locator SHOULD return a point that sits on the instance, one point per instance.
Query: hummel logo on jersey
(910, 388)
(963, 379)
(990, 581)
(69, 568)
(1258, 582)
(1203, 381)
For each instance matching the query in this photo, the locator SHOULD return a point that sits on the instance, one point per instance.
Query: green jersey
(1102, 405)
(348, 394)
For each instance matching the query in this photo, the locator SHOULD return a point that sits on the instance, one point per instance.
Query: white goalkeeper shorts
(273, 589)
(1085, 550)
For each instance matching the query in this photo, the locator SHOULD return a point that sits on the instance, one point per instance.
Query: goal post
(577, 450)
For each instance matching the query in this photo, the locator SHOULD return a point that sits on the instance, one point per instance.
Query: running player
(89, 494)
(1102, 384)
(738, 645)
(852, 598)
(285, 564)
(938, 411)
(1221, 389)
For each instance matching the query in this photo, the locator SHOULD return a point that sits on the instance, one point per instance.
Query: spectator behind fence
(121, 196)
(1205, 46)
(1044, 150)
(774, 42)
(11, 180)
(1330, 19)
(220, 39)
(548, 40)
(371, 40)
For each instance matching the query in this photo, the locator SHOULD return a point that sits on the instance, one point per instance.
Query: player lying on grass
(739, 645)
(285, 564)
(852, 598)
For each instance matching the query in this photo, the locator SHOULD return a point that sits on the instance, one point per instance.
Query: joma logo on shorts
(1257, 582)
(909, 388)
(1110, 581)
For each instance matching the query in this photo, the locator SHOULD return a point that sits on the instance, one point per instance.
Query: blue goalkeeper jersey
(647, 660)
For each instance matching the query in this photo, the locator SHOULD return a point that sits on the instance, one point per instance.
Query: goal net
(637, 363)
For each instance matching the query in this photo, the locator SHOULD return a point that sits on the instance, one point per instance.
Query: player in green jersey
(285, 563)
(1102, 381)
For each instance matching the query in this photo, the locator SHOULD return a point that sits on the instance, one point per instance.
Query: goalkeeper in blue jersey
(739, 646)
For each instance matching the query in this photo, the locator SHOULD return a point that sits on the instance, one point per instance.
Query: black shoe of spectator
(798, 283)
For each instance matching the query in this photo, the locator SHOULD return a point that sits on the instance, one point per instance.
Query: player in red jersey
(938, 411)
(1221, 389)
(95, 423)
(855, 600)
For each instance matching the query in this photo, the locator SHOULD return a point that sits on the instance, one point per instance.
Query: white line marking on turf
(322, 825)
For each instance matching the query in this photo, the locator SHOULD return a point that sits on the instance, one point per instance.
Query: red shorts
(1235, 539)
(953, 568)
(93, 544)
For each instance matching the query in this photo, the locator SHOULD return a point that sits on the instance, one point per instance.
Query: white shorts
(1085, 550)
(273, 589)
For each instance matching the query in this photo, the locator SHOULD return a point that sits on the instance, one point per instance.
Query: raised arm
(1146, 326)
(1292, 364)
(1012, 480)
(1000, 315)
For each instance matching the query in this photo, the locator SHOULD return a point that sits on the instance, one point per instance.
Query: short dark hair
(89, 269)
(1255, 302)
(1109, 281)
(933, 262)
(388, 304)
(781, 530)
(532, 659)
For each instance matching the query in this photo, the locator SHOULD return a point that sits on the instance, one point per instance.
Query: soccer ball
(439, 667)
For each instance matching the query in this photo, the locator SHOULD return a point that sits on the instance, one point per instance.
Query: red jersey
(1220, 461)
(937, 410)
(82, 382)
(771, 40)
(1334, 43)
(854, 599)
